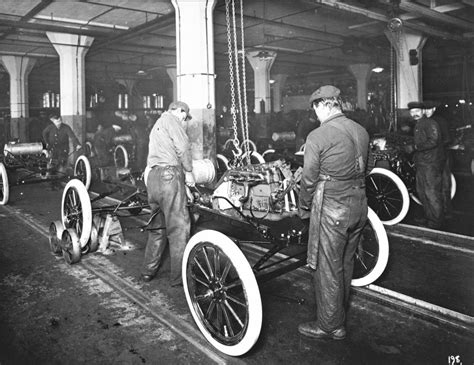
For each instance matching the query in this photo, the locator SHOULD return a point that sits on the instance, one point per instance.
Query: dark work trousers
(343, 217)
(429, 190)
(446, 188)
(167, 196)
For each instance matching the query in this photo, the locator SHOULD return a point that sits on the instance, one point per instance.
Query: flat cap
(326, 91)
(180, 105)
(430, 104)
(416, 105)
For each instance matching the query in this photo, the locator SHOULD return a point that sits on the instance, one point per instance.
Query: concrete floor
(97, 311)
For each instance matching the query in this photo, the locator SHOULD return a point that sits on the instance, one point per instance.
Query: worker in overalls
(56, 136)
(333, 197)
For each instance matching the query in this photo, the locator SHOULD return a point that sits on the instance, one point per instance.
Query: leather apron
(315, 224)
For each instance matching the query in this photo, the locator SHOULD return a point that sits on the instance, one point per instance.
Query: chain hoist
(234, 78)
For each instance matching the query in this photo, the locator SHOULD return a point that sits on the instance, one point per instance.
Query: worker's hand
(409, 148)
(189, 179)
(304, 214)
(78, 147)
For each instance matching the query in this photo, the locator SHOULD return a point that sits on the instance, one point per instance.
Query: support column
(261, 67)
(409, 86)
(361, 72)
(195, 72)
(277, 87)
(172, 74)
(19, 69)
(72, 49)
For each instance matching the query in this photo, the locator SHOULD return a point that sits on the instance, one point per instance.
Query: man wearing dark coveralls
(429, 161)
(430, 112)
(56, 136)
(169, 158)
(333, 197)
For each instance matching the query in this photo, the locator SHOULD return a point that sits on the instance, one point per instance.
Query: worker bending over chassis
(169, 157)
(333, 197)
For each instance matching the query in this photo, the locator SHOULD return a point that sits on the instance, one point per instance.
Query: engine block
(266, 190)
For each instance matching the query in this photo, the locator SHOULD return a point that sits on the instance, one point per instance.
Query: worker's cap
(326, 91)
(180, 105)
(429, 104)
(416, 105)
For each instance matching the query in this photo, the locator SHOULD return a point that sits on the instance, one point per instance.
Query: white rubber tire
(453, 191)
(403, 191)
(5, 186)
(269, 151)
(254, 156)
(121, 149)
(382, 259)
(224, 160)
(87, 166)
(250, 288)
(76, 194)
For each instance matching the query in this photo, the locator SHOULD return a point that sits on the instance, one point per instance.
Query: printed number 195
(453, 360)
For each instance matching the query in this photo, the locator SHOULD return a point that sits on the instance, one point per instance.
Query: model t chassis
(251, 206)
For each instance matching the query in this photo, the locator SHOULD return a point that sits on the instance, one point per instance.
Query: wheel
(255, 157)
(387, 195)
(82, 171)
(453, 186)
(268, 155)
(120, 157)
(4, 187)
(453, 191)
(55, 234)
(70, 246)
(372, 254)
(222, 163)
(252, 146)
(76, 210)
(222, 292)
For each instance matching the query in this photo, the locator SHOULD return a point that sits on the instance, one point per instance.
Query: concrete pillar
(277, 88)
(72, 49)
(261, 67)
(409, 86)
(171, 70)
(361, 72)
(18, 68)
(195, 72)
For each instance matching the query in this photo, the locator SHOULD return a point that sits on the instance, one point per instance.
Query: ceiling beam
(423, 28)
(433, 14)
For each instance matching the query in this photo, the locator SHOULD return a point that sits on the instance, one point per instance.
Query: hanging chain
(245, 128)
(233, 108)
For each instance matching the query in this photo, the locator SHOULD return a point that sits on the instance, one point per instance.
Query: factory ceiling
(311, 37)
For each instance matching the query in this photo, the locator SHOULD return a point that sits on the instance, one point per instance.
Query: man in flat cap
(170, 168)
(333, 197)
(428, 156)
(430, 112)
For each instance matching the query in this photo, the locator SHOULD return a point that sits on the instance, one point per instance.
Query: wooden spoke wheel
(372, 253)
(82, 171)
(222, 292)
(252, 146)
(121, 157)
(76, 210)
(70, 246)
(4, 187)
(387, 195)
(55, 235)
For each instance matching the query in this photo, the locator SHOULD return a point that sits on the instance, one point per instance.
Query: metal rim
(121, 157)
(55, 233)
(70, 246)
